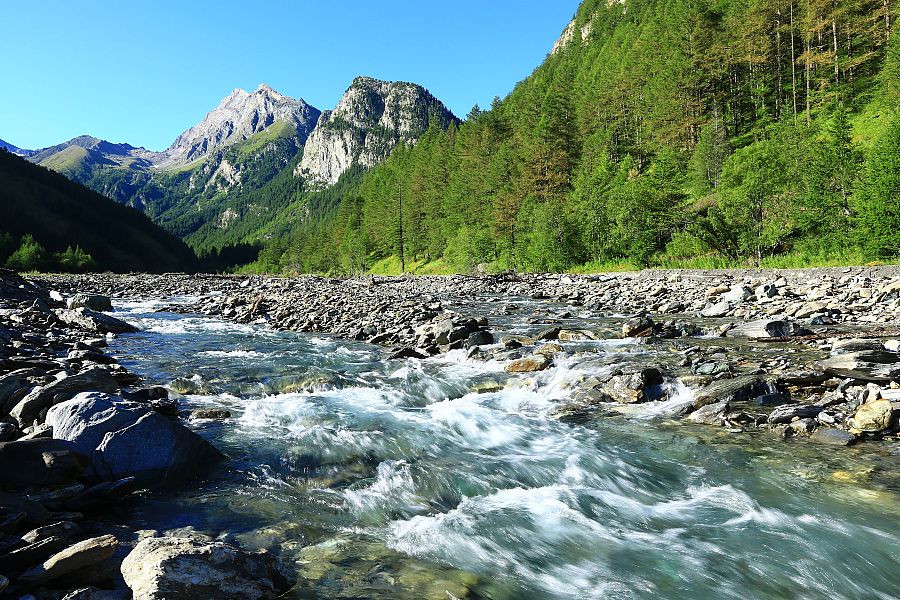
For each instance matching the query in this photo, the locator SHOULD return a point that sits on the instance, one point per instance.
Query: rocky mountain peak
(371, 118)
(238, 117)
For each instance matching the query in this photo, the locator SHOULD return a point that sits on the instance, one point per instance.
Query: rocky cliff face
(372, 117)
(239, 117)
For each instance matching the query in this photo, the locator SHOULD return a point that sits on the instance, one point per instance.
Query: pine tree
(877, 201)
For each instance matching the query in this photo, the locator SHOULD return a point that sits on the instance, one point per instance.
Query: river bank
(784, 364)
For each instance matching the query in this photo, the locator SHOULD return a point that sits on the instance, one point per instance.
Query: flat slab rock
(877, 367)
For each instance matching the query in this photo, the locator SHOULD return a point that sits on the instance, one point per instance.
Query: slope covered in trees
(659, 131)
(44, 213)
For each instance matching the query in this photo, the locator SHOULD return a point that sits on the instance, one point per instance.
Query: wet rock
(82, 555)
(833, 437)
(529, 364)
(40, 462)
(172, 568)
(42, 398)
(212, 414)
(738, 389)
(480, 338)
(548, 334)
(711, 414)
(789, 412)
(155, 447)
(91, 302)
(88, 417)
(93, 321)
(769, 329)
(776, 399)
(641, 326)
(878, 367)
(573, 335)
(549, 350)
(100, 496)
(405, 353)
(635, 388)
(873, 417)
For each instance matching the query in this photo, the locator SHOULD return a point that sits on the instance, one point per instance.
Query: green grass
(391, 266)
(275, 131)
(870, 123)
(66, 161)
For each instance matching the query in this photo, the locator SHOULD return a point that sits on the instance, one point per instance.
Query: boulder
(873, 417)
(714, 311)
(93, 321)
(32, 554)
(88, 417)
(40, 462)
(92, 593)
(833, 437)
(711, 414)
(789, 412)
(91, 302)
(548, 334)
(878, 367)
(183, 568)
(575, 335)
(641, 326)
(738, 389)
(529, 364)
(154, 447)
(643, 386)
(29, 408)
(480, 338)
(82, 555)
(769, 329)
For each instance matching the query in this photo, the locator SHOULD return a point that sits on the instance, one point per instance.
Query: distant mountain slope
(15, 150)
(372, 117)
(60, 213)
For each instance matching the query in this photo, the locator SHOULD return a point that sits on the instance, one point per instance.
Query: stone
(480, 338)
(638, 327)
(833, 437)
(82, 555)
(91, 302)
(710, 414)
(102, 495)
(873, 417)
(27, 410)
(737, 389)
(573, 335)
(877, 367)
(40, 462)
(63, 529)
(88, 417)
(548, 334)
(769, 329)
(736, 294)
(32, 554)
(717, 310)
(4, 583)
(789, 412)
(173, 568)
(211, 414)
(92, 593)
(8, 431)
(154, 448)
(635, 388)
(529, 364)
(94, 321)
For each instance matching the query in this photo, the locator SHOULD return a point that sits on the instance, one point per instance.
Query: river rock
(710, 414)
(183, 568)
(529, 364)
(575, 335)
(4, 583)
(878, 367)
(634, 388)
(769, 329)
(40, 462)
(63, 529)
(737, 389)
(155, 447)
(788, 412)
(713, 311)
(833, 437)
(34, 553)
(641, 326)
(873, 417)
(78, 556)
(92, 593)
(43, 397)
(88, 417)
(93, 321)
(91, 302)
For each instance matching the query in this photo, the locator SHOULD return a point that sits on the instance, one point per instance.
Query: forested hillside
(48, 222)
(658, 131)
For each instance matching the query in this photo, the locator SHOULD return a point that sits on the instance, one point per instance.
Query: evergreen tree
(30, 256)
(877, 201)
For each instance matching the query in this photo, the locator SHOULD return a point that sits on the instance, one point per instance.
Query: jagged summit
(238, 117)
(370, 119)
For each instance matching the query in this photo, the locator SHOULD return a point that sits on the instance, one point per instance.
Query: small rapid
(449, 478)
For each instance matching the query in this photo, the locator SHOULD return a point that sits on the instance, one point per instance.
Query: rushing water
(446, 479)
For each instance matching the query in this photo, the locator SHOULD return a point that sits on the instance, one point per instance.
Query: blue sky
(143, 71)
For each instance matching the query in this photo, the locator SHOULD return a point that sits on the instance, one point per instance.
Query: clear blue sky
(142, 71)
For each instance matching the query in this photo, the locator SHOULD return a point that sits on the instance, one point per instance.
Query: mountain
(371, 118)
(14, 150)
(238, 118)
(60, 213)
(80, 156)
(655, 132)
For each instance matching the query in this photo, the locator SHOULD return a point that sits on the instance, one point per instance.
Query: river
(448, 478)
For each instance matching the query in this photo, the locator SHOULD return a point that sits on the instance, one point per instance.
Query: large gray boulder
(42, 398)
(128, 439)
(40, 462)
(94, 321)
(88, 417)
(154, 448)
(187, 569)
(90, 302)
(878, 367)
